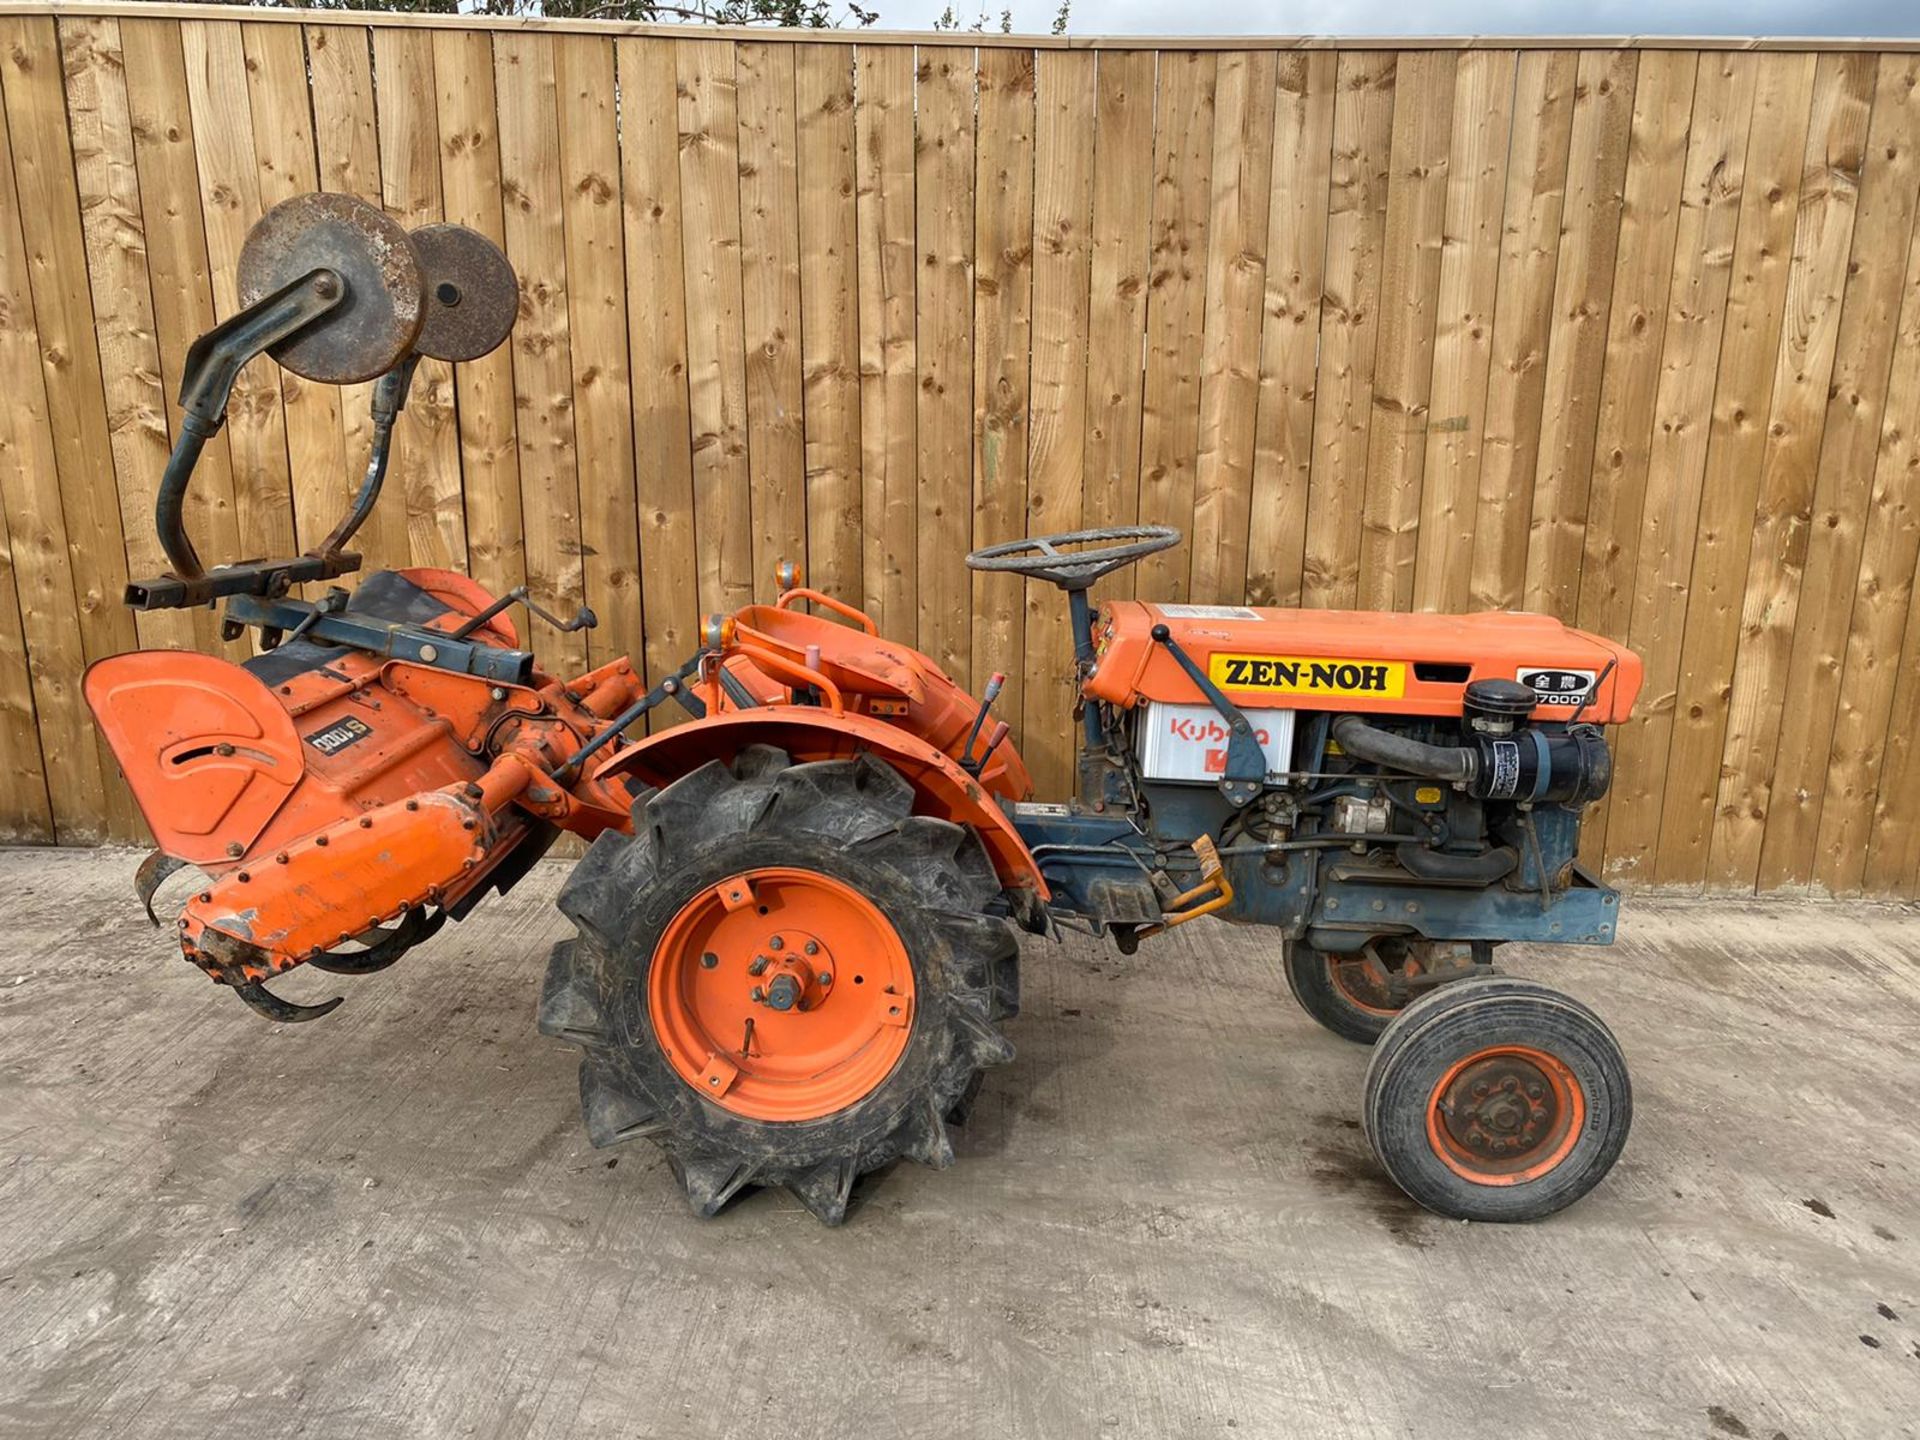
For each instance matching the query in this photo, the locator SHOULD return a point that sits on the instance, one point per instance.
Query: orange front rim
(781, 994)
(1505, 1115)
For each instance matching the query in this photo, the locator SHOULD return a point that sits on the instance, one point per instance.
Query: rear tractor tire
(783, 976)
(1497, 1099)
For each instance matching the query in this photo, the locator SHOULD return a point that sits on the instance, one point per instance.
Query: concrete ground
(1163, 1220)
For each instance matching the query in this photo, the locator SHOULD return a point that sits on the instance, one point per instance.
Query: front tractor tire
(783, 976)
(1497, 1099)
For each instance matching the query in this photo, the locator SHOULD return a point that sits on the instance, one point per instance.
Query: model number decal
(1553, 685)
(339, 735)
(1307, 675)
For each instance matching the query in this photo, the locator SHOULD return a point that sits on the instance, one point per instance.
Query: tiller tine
(391, 945)
(288, 1012)
(152, 874)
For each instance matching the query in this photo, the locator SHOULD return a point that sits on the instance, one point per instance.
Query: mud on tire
(851, 822)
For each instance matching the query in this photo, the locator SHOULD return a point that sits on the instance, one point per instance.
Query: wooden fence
(1626, 333)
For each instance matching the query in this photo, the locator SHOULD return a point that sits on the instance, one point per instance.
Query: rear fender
(808, 733)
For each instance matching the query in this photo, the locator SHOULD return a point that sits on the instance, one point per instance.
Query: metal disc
(368, 333)
(472, 295)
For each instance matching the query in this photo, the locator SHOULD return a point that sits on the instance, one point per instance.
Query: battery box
(1189, 742)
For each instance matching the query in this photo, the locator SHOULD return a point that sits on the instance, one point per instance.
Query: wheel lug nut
(813, 947)
(757, 994)
(826, 979)
(1539, 1114)
(776, 943)
(1536, 1090)
(759, 965)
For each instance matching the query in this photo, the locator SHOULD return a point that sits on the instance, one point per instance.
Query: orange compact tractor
(795, 925)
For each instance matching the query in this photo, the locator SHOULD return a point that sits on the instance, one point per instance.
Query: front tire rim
(1505, 1115)
(781, 994)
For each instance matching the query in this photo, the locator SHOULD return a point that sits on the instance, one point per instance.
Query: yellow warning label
(1300, 675)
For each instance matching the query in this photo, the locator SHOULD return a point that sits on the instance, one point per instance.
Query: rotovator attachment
(794, 943)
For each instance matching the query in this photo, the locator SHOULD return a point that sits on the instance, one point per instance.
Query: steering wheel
(1057, 557)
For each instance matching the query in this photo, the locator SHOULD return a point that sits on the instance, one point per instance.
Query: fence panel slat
(889, 358)
(1522, 325)
(470, 195)
(182, 301)
(1002, 351)
(1463, 328)
(597, 338)
(1893, 857)
(1290, 327)
(657, 351)
(829, 317)
(1349, 323)
(527, 93)
(344, 114)
(1617, 497)
(943, 205)
(1409, 304)
(770, 282)
(1117, 302)
(1878, 446)
(1062, 260)
(1237, 230)
(1582, 302)
(230, 204)
(426, 438)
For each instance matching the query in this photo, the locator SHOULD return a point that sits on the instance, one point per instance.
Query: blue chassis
(1320, 890)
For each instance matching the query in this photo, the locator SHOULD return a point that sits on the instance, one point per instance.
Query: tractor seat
(856, 662)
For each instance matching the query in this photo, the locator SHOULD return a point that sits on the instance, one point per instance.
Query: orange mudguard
(807, 732)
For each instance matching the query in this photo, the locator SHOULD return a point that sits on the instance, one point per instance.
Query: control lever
(994, 737)
(584, 618)
(992, 693)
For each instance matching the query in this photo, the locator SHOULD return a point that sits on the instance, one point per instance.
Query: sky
(1438, 17)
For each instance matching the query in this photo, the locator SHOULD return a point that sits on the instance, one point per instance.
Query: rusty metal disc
(472, 295)
(369, 332)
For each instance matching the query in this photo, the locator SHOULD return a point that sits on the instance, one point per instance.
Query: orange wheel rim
(781, 994)
(1357, 983)
(1505, 1115)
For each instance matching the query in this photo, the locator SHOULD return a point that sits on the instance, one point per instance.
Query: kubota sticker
(1306, 675)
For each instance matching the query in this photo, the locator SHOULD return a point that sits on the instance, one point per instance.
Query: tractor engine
(1404, 790)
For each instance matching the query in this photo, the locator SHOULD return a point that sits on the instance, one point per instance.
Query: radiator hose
(1570, 767)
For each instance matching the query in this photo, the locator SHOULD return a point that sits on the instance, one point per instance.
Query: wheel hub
(793, 972)
(1506, 1114)
(781, 994)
